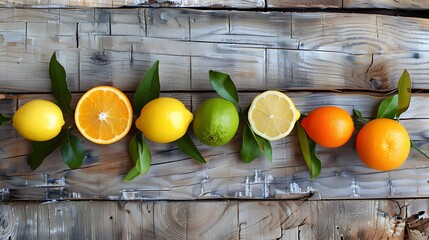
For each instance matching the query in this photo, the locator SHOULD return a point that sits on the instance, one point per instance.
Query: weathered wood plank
(359, 33)
(196, 220)
(121, 3)
(327, 70)
(167, 23)
(360, 220)
(363, 57)
(272, 220)
(174, 176)
(103, 64)
(304, 4)
(128, 22)
(29, 15)
(271, 29)
(335, 219)
(399, 4)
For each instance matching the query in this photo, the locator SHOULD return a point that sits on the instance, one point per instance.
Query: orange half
(103, 115)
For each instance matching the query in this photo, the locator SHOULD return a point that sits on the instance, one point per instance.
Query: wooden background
(348, 53)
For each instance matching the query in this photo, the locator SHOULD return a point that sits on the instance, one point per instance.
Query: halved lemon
(272, 115)
(103, 115)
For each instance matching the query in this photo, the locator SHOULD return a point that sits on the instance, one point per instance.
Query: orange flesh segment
(104, 115)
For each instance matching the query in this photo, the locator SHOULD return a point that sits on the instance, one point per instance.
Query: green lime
(215, 121)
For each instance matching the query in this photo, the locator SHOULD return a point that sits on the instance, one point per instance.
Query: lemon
(164, 120)
(216, 121)
(38, 120)
(272, 115)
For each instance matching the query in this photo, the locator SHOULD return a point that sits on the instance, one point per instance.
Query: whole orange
(383, 144)
(329, 126)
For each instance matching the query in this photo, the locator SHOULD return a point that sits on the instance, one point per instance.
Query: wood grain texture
(339, 219)
(174, 176)
(408, 4)
(305, 4)
(264, 50)
(356, 55)
(384, 4)
(354, 33)
(123, 3)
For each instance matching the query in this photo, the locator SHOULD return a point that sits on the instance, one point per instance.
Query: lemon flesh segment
(272, 115)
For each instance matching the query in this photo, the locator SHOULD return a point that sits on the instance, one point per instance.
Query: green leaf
(72, 150)
(263, 144)
(357, 113)
(358, 119)
(40, 150)
(224, 86)
(133, 173)
(308, 150)
(267, 149)
(148, 88)
(186, 145)
(249, 147)
(388, 107)
(140, 153)
(404, 93)
(4, 119)
(59, 87)
(418, 149)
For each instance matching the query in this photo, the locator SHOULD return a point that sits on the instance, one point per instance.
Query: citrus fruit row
(104, 115)
(382, 144)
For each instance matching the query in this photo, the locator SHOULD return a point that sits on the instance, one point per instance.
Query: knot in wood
(376, 83)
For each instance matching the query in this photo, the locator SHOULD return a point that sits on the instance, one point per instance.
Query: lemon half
(272, 115)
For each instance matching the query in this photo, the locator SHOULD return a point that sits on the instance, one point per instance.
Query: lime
(216, 121)
(38, 120)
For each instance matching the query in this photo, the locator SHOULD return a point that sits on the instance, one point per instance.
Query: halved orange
(103, 115)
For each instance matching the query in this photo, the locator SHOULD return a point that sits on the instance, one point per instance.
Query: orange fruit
(383, 144)
(103, 115)
(329, 126)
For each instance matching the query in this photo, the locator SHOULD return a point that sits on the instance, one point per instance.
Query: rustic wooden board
(387, 4)
(174, 176)
(122, 3)
(332, 57)
(407, 4)
(372, 219)
(304, 4)
(265, 50)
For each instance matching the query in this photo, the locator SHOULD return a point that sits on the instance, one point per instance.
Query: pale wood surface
(175, 176)
(397, 4)
(372, 219)
(351, 60)
(269, 50)
(383, 4)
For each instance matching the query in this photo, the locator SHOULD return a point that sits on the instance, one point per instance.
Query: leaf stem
(418, 149)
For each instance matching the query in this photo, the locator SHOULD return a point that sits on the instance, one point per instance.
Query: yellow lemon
(272, 115)
(164, 120)
(38, 120)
